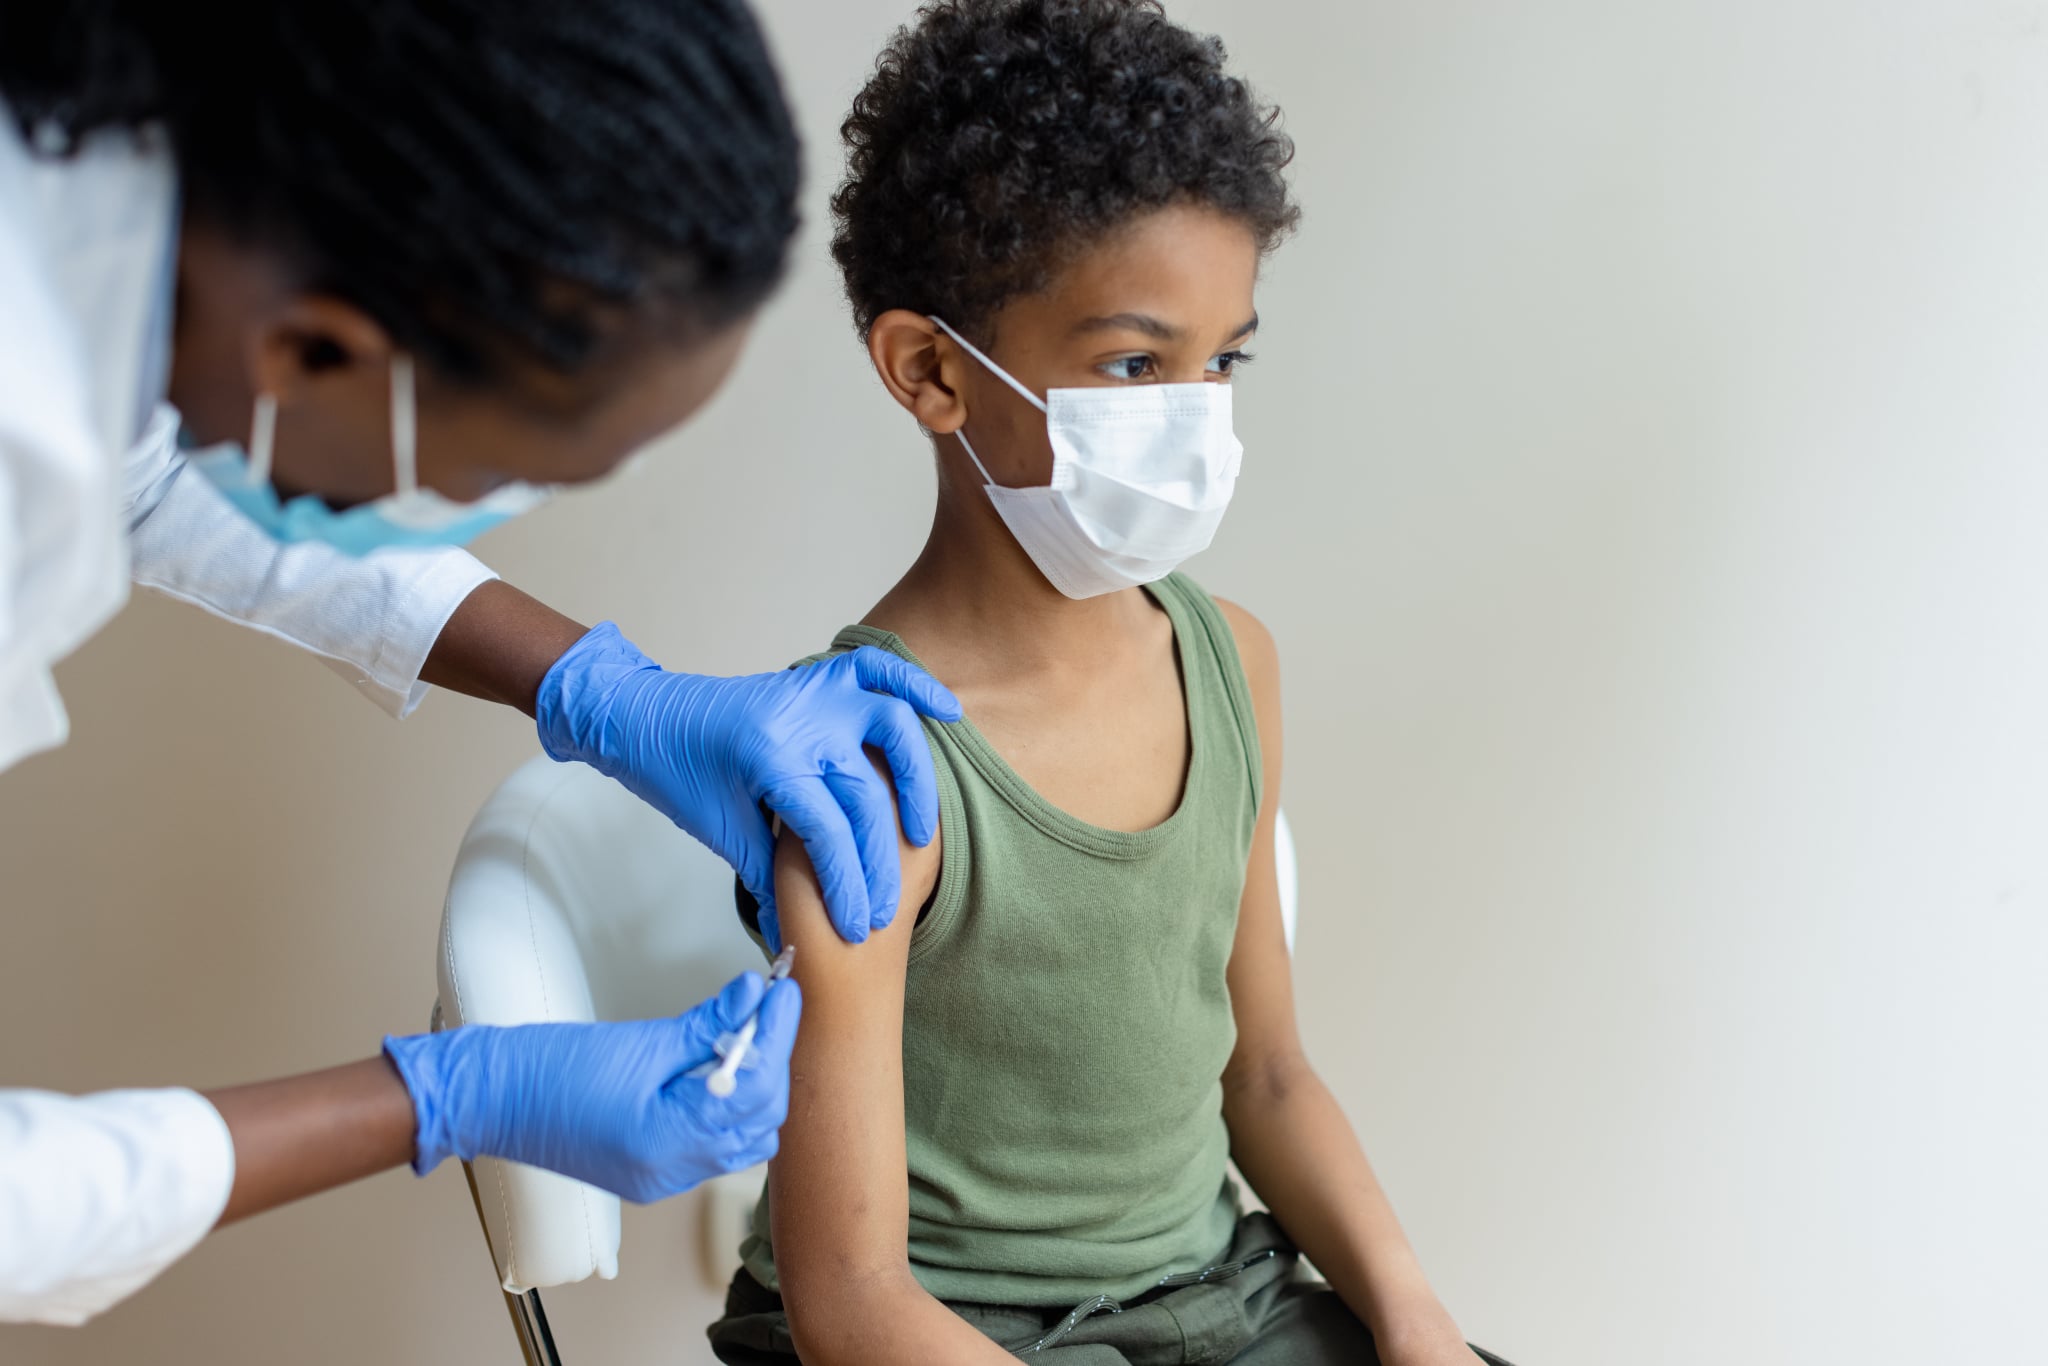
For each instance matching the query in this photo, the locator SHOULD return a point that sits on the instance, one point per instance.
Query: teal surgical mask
(410, 516)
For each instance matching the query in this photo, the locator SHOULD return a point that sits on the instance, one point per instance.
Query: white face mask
(410, 516)
(1141, 477)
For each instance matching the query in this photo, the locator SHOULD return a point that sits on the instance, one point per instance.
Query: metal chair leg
(529, 1320)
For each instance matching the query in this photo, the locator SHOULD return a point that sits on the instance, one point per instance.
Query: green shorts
(1248, 1309)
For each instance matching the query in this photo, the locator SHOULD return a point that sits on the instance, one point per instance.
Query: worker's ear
(310, 340)
(922, 368)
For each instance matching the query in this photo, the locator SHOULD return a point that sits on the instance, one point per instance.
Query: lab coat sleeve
(62, 564)
(98, 1194)
(371, 618)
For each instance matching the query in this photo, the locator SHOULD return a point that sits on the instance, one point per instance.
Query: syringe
(724, 1079)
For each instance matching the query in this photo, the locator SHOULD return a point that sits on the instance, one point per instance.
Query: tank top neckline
(1099, 840)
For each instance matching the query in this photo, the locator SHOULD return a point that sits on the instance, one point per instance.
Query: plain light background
(1645, 480)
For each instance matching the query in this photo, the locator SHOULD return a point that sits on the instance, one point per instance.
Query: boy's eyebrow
(1149, 325)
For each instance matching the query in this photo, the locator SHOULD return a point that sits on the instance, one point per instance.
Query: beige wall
(1646, 484)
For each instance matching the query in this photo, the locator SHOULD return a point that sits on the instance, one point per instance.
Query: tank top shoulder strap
(1210, 661)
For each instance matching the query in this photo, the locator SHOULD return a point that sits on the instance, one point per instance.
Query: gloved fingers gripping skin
(871, 814)
(809, 808)
(706, 750)
(879, 671)
(894, 729)
(756, 862)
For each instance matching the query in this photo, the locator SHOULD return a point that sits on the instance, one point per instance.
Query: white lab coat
(99, 1193)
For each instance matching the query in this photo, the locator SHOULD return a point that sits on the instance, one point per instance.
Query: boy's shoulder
(1256, 650)
(853, 637)
(1254, 642)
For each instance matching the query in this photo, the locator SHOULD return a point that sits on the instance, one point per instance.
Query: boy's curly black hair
(996, 136)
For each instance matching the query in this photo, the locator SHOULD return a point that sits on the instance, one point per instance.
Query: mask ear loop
(1000, 373)
(405, 467)
(262, 439)
(961, 436)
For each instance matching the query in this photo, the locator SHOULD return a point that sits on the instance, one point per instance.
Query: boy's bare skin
(1084, 700)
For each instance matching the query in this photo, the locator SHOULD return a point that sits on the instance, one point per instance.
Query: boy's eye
(1127, 367)
(1224, 362)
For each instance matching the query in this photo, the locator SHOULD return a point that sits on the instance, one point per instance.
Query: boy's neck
(973, 605)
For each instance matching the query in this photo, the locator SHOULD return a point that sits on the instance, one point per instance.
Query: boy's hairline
(1060, 257)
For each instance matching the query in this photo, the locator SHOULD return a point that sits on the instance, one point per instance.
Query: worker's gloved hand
(609, 1103)
(710, 752)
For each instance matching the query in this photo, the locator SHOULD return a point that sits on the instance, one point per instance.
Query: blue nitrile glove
(609, 1103)
(709, 753)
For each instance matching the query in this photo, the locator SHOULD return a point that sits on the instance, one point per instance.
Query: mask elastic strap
(262, 439)
(405, 462)
(998, 371)
(962, 435)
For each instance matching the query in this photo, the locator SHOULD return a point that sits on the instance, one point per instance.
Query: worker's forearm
(303, 1135)
(498, 645)
(1292, 1142)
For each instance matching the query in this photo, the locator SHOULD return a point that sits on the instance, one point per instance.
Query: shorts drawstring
(1099, 1304)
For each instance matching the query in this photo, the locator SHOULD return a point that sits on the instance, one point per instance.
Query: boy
(1013, 1109)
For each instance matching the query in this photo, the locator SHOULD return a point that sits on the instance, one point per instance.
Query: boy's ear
(921, 368)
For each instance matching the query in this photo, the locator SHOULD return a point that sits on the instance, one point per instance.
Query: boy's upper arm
(1261, 972)
(840, 1191)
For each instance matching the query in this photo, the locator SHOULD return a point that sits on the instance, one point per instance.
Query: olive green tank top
(1066, 1022)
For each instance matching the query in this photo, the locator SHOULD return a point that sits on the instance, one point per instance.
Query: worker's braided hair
(490, 179)
(998, 136)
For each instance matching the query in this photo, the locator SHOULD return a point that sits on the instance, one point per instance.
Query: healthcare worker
(294, 297)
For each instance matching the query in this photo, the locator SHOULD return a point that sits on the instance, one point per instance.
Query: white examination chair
(573, 900)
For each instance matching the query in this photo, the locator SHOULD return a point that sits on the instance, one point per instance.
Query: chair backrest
(573, 900)
(1289, 874)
